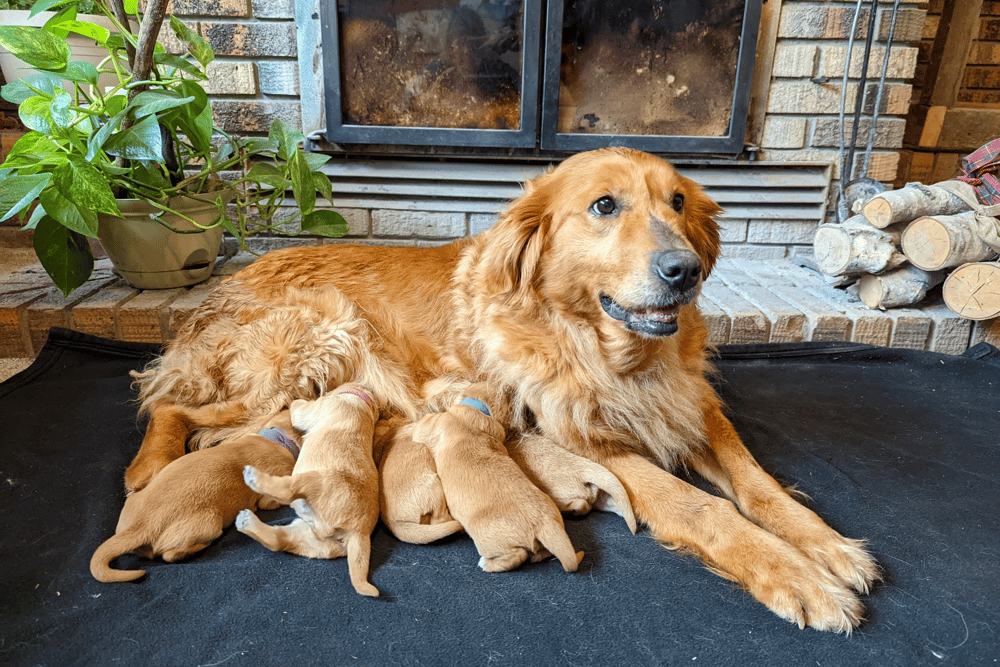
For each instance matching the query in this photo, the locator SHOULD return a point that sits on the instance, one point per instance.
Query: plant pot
(81, 48)
(148, 255)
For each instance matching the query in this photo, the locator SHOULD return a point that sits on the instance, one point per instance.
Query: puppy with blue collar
(507, 516)
(188, 504)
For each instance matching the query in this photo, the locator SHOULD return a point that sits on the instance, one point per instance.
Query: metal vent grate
(758, 191)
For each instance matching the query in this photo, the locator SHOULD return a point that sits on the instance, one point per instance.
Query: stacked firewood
(903, 242)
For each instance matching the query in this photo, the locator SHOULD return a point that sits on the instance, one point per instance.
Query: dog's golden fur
(506, 515)
(189, 503)
(333, 488)
(572, 304)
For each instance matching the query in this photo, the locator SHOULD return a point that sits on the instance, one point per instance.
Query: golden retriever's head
(609, 233)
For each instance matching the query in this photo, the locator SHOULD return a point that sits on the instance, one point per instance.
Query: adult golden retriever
(580, 303)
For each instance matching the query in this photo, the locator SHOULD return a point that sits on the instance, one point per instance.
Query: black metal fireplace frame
(523, 137)
(540, 74)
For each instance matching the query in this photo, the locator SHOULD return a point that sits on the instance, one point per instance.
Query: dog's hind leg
(554, 538)
(165, 440)
(283, 489)
(504, 562)
(297, 537)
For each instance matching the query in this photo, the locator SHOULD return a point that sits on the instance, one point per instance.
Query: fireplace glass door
(433, 72)
(661, 75)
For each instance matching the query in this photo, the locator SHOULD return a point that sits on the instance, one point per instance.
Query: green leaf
(17, 192)
(322, 183)
(79, 71)
(183, 64)
(131, 6)
(302, 182)
(257, 145)
(151, 176)
(154, 101)
(36, 113)
(61, 114)
(35, 217)
(268, 174)
(316, 160)
(95, 32)
(46, 5)
(34, 150)
(53, 24)
(115, 104)
(18, 91)
(142, 141)
(35, 47)
(67, 213)
(196, 44)
(86, 186)
(96, 140)
(288, 138)
(324, 222)
(64, 254)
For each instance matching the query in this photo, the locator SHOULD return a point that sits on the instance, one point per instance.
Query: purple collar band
(279, 436)
(360, 394)
(475, 403)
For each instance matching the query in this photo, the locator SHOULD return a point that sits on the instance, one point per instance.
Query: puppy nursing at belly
(333, 488)
(192, 500)
(508, 518)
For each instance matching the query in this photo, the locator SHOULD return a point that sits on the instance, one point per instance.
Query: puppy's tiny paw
(482, 562)
(250, 477)
(243, 519)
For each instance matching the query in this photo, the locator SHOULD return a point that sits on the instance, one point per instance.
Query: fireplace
(530, 77)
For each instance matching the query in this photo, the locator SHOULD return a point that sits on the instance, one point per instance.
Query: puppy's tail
(115, 546)
(359, 546)
(423, 533)
(553, 537)
(612, 496)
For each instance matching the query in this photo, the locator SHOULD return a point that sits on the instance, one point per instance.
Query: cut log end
(878, 212)
(973, 290)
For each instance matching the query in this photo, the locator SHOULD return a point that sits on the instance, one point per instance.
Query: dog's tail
(553, 537)
(115, 546)
(611, 496)
(423, 533)
(359, 546)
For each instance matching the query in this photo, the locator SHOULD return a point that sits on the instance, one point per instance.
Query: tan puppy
(575, 484)
(412, 501)
(333, 488)
(505, 514)
(187, 505)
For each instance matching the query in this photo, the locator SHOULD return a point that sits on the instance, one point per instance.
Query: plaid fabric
(981, 170)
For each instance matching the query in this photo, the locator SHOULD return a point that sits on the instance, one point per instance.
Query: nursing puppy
(187, 505)
(574, 483)
(333, 488)
(411, 498)
(505, 514)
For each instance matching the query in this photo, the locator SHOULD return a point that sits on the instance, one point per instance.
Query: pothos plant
(149, 136)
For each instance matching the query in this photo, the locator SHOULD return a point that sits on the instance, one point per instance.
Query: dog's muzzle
(678, 273)
(649, 321)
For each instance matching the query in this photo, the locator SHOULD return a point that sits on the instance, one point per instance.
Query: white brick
(480, 222)
(733, 231)
(794, 60)
(784, 132)
(418, 223)
(759, 252)
(902, 61)
(358, 220)
(278, 77)
(227, 78)
(888, 133)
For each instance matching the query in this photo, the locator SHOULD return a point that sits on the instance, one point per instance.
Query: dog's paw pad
(482, 563)
(250, 476)
(243, 519)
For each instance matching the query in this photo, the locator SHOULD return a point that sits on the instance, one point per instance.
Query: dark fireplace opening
(533, 77)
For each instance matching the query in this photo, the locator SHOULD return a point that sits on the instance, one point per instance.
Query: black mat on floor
(896, 446)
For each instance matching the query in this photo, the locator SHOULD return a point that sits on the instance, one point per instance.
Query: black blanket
(895, 446)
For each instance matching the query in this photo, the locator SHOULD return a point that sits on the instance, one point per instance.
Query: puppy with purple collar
(333, 488)
(188, 504)
(506, 515)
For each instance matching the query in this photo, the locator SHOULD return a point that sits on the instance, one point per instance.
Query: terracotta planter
(148, 255)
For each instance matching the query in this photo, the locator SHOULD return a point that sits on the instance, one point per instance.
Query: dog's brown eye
(678, 203)
(604, 206)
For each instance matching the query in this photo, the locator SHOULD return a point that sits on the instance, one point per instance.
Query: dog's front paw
(244, 519)
(846, 559)
(250, 475)
(803, 591)
(141, 472)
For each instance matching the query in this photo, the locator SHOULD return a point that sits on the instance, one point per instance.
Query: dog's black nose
(679, 269)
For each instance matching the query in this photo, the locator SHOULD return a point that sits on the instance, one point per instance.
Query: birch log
(855, 247)
(899, 287)
(909, 203)
(973, 290)
(938, 242)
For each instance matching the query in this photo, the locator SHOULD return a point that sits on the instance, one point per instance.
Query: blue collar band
(279, 436)
(475, 403)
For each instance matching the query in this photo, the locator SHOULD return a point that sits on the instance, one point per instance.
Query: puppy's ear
(510, 259)
(700, 226)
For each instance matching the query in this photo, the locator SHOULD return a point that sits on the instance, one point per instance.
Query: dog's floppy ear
(700, 226)
(510, 259)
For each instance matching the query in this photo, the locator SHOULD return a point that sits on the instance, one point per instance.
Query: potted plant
(95, 155)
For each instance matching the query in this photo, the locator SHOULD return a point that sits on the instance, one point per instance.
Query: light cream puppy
(333, 488)
(505, 514)
(188, 504)
(412, 501)
(575, 484)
